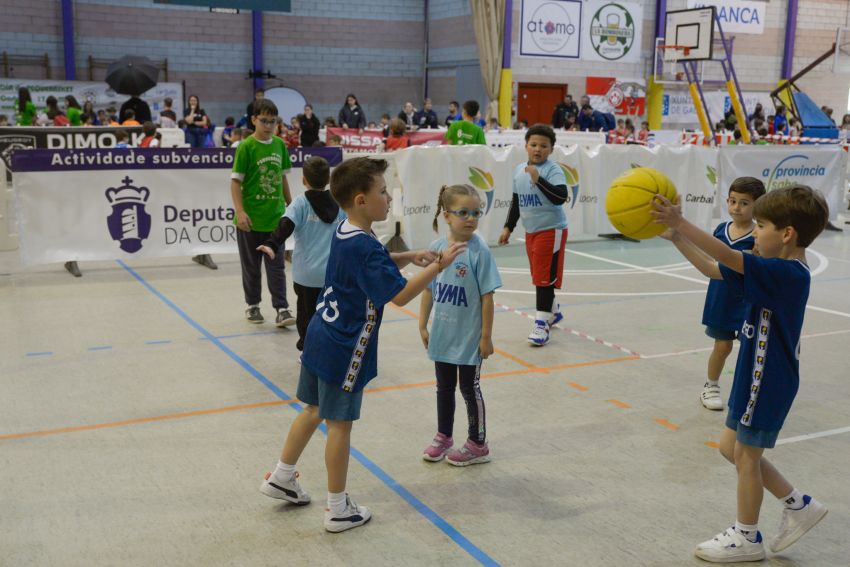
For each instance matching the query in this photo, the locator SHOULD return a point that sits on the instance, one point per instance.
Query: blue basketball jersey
(767, 374)
(341, 346)
(536, 211)
(456, 293)
(724, 309)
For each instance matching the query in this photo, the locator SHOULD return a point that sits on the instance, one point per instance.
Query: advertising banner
(617, 96)
(106, 204)
(678, 108)
(550, 28)
(821, 168)
(612, 31)
(737, 16)
(99, 93)
(370, 140)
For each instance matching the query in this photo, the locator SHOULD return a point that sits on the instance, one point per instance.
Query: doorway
(537, 101)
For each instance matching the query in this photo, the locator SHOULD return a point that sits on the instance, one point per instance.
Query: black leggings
(307, 299)
(470, 389)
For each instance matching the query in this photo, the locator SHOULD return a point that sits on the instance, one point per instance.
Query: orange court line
(712, 444)
(619, 404)
(283, 402)
(666, 423)
(578, 387)
(143, 420)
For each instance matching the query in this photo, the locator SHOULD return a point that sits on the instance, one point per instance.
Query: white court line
(735, 345)
(703, 282)
(607, 293)
(809, 436)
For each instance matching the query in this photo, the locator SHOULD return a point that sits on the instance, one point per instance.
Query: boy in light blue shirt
(312, 218)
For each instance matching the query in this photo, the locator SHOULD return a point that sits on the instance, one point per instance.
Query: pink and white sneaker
(470, 454)
(438, 448)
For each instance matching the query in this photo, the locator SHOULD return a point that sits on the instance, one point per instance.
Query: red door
(536, 101)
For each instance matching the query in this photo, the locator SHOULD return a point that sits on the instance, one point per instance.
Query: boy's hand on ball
(505, 237)
(532, 171)
(423, 332)
(266, 250)
(485, 347)
(666, 212)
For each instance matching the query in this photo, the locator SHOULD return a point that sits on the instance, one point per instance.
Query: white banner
(821, 168)
(678, 108)
(611, 31)
(737, 16)
(107, 204)
(550, 28)
(99, 93)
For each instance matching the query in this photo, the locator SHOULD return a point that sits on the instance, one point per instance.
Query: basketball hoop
(673, 53)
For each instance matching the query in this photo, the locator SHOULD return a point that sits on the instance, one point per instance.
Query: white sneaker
(729, 547)
(352, 517)
(290, 490)
(557, 316)
(539, 334)
(710, 397)
(795, 523)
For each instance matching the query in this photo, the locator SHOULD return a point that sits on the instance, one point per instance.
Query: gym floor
(140, 412)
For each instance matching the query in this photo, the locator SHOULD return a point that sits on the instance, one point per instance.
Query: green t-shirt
(462, 132)
(260, 167)
(74, 116)
(27, 117)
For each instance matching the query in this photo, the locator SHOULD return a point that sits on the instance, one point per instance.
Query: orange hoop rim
(685, 49)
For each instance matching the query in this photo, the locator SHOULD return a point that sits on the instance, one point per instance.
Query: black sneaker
(253, 314)
(284, 318)
(352, 516)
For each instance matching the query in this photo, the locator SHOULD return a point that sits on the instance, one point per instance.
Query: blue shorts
(721, 334)
(750, 435)
(333, 402)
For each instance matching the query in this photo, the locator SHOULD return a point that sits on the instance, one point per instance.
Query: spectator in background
(122, 139)
(293, 134)
(258, 94)
(629, 134)
(130, 118)
(620, 130)
(140, 109)
(780, 123)
(770, 121)
(408, 116)
(762, 135)
(372, 126)
(150, 139)
(236, 137)
(564, 113)
(4, 120)
(793, 127)
(309, 126)
(426, 118)
(111, 117)
(88, 108)
(398, 136)
(590, 120)
(167, 116)
(102, 118)
(228, 130)
(87, 119)
(584, 101)
(845, 122)
(479, 120)
(55, 117)
(758, 114)
(334, 141)
(385, 124)
(493, 126)
(351, 115)
(26, 112)
(330, 122)
(197, 123)
(454, 113)
(465, 131)
(643, 135)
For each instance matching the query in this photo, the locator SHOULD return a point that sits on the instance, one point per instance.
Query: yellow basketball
(629, 201)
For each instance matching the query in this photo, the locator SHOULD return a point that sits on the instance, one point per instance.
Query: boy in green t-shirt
(260, 195)
(465, 132)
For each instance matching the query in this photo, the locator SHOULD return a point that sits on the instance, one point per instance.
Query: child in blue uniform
(461, 334)
(775, 287)
(540, 190)
(312, 218)
(724, 311)
(341, 347)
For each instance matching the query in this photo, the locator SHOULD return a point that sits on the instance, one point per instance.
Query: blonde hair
(447, 196)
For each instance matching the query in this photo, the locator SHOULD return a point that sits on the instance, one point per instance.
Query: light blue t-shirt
(312, 242)
(456, 292)
(536, 211)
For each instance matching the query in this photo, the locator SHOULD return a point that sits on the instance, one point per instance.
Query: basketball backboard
(693, 29)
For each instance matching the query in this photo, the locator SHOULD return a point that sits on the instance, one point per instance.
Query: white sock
(714, 382)
(336, 502)
(544, 316)
(749, 532)
(283, 472)
(794, 501)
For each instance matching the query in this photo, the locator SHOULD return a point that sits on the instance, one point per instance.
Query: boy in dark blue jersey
(775, 287)
(724, 310)
(340, 349)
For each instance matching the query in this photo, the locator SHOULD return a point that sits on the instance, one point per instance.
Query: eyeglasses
(466, 213)
(267, 122)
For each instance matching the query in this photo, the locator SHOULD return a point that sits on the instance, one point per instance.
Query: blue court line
(105, 347)
(405, 494)
(41, 353)
(165, 342)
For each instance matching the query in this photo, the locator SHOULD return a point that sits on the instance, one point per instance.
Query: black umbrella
(132, 75)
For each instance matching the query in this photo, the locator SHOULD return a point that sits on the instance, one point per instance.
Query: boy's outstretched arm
(421, 258)
(671, 215)
(420, 281)
(705, 264)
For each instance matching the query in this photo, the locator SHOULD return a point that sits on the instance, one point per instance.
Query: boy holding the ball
(540, 190)
(775, 287)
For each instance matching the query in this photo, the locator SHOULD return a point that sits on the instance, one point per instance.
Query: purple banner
(148, 158)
